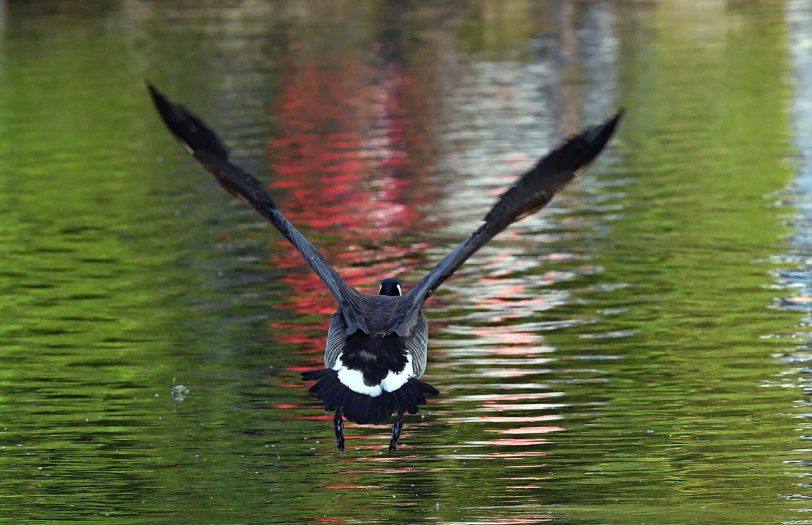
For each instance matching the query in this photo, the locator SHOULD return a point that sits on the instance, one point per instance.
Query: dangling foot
(338, 424)
(397, 428)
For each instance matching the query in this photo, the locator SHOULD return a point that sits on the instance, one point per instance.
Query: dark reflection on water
(618, 358)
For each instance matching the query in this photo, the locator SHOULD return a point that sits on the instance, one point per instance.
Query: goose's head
(390, 287)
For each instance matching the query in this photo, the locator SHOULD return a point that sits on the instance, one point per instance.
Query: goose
(377, 345)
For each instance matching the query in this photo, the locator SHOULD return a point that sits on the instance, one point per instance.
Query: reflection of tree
(342, 154)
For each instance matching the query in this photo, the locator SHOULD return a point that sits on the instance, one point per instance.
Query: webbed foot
(338, 425)
(397, 428)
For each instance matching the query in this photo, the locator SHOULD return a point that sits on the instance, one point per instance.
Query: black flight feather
(205, 146)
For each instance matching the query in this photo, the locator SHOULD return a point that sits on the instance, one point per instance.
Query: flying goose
(377, 344)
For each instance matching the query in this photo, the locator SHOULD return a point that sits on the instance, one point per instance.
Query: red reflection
(514, 419)
(519, 456)
(515, 442)
(380, 471)
(520, 521)
(502, 407)
(341, 149)
(526, 430)
(389, 459)
(513, 340)
(323, 417)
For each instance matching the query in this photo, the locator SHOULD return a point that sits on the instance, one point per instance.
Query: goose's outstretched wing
(205, 146)
(530, 193)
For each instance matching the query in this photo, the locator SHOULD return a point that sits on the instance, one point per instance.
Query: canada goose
(377, 344)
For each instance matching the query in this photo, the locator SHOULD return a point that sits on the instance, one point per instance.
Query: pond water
(637, 353)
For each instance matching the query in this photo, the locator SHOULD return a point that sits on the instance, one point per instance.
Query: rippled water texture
(637, 353)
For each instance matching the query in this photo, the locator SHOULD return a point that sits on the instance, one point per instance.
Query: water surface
(638, 352)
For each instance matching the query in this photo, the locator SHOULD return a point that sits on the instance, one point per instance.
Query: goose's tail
(363, 408)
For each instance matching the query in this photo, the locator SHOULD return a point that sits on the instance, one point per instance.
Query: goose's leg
(397, 428)
(338, 425)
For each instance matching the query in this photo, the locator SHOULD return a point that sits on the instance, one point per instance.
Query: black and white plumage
(377, 345)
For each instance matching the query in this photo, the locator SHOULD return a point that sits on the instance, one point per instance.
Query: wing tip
(189, 130)
(152, 89)
(618, 116)
(600, 134)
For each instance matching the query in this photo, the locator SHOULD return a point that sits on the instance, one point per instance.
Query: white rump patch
(354, 379)
(395, 380)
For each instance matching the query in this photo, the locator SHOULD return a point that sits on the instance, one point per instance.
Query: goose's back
(385, 352)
